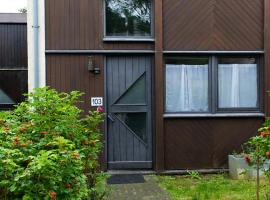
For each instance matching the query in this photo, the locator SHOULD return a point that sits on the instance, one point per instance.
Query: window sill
(123, 39)
(198, 115)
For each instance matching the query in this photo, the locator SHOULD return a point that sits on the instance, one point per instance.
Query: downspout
(36, 43)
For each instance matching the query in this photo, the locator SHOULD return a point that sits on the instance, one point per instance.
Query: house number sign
(97, 101)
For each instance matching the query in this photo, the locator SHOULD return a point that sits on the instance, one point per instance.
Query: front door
(129, 132)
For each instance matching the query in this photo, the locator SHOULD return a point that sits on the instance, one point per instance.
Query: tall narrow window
(128, 18)
(237, 83)
(187, 85)
(13, 84)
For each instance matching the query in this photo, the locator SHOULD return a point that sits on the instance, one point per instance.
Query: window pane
(12, 85)
(136, 94)
(187, 85)
(128, 17)
(238, 85)
(136, 122)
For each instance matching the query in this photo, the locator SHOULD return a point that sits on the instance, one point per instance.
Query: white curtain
(237, 85)
(186, 88)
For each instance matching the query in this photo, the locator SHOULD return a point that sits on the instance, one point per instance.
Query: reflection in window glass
(136, 122)
(238, 85)
(128, 18)
(187, 85)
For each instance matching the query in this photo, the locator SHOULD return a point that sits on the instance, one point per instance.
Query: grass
(211, 187)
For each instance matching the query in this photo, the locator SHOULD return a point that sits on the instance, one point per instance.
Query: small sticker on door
(97, 101)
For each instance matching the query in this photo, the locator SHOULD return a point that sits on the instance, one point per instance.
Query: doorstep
(168, 172)
(119, 172)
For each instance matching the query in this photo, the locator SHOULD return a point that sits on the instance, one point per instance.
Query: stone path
(149, 190)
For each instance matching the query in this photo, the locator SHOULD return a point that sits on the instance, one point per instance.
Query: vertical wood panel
(66, 73)
(78, 24)
(159, 78)
(13, 45)
(109, 99)
(69, 72)
(267, 56)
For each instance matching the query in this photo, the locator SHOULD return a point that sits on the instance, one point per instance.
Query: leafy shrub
(48, 151)
(258, 148)
(258, 153)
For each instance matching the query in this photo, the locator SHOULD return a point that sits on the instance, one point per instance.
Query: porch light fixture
(91, 66)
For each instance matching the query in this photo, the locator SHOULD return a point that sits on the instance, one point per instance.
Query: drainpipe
(36, 43)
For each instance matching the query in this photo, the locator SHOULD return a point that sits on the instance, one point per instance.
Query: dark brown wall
(13, 45)
(69, 72)
(267, 57)
(213, 24)
(188, 25)
(202, 143)
(78, 24)
(181, 143)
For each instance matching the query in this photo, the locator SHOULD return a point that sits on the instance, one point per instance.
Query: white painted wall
(30, 37)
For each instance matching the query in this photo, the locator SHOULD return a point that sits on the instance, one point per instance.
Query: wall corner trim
(267, 56)
(159, 92)
(36, 57)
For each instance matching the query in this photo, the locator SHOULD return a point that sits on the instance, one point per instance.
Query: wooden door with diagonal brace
(129, 128)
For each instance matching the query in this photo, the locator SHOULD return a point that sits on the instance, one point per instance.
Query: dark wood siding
(159, 83)
(78, 24)
(180, 25)
(213, 25)
(203, 143)
(267, 57)
(13, 45)
(13, 59)
(69, 72)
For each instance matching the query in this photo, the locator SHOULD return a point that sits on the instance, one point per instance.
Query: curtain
(237, 85)
(186, 88)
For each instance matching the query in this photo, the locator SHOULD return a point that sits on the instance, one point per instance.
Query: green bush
(48, 151)
(258, 154)
(258, 149)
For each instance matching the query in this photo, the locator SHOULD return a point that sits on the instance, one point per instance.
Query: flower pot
(239, 168)
(252, 173)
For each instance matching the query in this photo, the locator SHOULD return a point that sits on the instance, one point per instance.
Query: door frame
(151, 112)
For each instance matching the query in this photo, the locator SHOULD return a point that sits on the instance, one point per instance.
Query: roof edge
(13, 18)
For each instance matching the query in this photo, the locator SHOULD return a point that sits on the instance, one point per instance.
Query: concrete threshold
(167, 172)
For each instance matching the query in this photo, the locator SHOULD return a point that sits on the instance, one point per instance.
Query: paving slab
(147, 190)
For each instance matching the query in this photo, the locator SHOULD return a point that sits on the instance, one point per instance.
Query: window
(13, 84)
(128, 18)
(237, 83)
(187, 85)
(212, 84)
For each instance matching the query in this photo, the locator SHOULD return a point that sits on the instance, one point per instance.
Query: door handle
(110, 117)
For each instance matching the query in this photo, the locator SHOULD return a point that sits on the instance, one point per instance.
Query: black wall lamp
(91, 66)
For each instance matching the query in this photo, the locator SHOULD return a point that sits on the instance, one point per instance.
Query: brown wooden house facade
(13, 59)
(184, 81)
